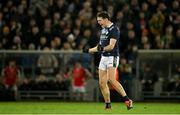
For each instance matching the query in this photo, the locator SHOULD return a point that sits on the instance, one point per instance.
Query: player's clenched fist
(100, 48)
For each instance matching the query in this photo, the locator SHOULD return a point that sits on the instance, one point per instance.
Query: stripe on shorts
(114, 61)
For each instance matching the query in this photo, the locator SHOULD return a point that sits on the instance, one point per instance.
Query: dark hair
(103, 14)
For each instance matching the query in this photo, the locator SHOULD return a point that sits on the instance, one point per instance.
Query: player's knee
(112, 81)
(102, 84)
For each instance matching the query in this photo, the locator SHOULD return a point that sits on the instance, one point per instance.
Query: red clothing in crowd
(78, 76)
(10, 75)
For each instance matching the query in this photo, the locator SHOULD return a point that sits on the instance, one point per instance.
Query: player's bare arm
(88, 73)
(100, 48)
(111, 45)
(93, 50)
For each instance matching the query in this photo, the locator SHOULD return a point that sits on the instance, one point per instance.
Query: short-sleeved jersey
(78, 76)
(108, 33)
(10, 75)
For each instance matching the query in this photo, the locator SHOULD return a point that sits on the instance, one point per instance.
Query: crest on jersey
(104, 33)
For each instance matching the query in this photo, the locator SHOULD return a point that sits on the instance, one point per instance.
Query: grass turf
(86, 108)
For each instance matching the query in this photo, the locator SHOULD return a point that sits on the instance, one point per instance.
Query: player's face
(101, 21)
(12, 63)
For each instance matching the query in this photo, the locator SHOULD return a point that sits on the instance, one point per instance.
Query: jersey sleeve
(114, 33)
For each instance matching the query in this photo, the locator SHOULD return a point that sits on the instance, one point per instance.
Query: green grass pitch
(86, 108)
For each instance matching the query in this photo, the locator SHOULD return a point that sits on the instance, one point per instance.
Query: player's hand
(85, 50)
(100, 48)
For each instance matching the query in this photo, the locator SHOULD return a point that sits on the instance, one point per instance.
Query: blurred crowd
(154, 78)
(69, 78)
(71, 24)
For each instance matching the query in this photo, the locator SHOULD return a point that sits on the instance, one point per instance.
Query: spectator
(11, 76)
(17, 43)
(41, 82)
(125, 71)
(25, 85)
(58, 42)
(159, 43)
(71, 40)
(43, 43)
(62, 81)
(177, 39)
(156, 23)
(79, 76)
(47, 63)
(33, 36)
(168, 37)
(66, 46)
(6, 38)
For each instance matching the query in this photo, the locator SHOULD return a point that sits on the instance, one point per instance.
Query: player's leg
(15, 89)
(104, 87)
(103, 79)
(118, 87)
(82, 91)
(75, 93)
(111, 73)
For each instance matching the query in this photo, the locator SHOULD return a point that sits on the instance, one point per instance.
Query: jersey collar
(109, 25)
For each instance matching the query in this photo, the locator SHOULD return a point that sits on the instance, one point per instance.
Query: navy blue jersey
(108, 33)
